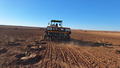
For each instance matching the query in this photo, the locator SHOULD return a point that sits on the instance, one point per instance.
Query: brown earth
(87, 49)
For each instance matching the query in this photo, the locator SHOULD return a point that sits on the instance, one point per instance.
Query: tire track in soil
(55, 52)
(74, 56)
(80, 58)
(63, 55)
(51, 50)
(44, 54)
(54, 56)
(92, 60)
(107, 59)
(47, 57)
(81, 62)
(70, 57)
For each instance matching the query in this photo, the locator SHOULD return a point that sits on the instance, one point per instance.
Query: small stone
(28, 57)
(40, 46)
(25, 58)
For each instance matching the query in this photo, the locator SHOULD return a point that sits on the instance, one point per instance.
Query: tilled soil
(71, 54)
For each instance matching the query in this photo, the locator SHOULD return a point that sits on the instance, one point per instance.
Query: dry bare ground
(87, 49)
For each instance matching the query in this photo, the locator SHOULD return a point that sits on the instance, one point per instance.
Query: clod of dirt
(19, 40)
(43, 42)
(40, 42)
(42, 39)
(118, 51)
(40, 46)
(16, 40)
(13, 43)
(29, 46)
(3, 50)
(37, 47)
(22, 40)
(28, 57)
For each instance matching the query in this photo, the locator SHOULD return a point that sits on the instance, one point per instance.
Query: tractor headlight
(62, 29)
(49, 28)
(67, 30)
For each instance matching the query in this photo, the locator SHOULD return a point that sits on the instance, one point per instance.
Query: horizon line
(45, 27)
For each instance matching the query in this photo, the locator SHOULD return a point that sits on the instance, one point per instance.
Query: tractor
(56, 31)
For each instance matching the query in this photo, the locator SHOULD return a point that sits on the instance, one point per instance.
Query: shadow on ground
(25, 62)
(13, 44)
(3, 50)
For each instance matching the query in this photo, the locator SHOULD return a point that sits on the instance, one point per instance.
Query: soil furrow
(74, 56)
(44, 56)
(109, 61)
(79, 58)
(64, 55)
(70, 57)
(93, 61)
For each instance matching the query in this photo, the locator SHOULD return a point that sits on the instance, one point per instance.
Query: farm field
(87, 49)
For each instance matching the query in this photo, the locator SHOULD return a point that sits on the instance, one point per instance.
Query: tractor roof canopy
(56, 21)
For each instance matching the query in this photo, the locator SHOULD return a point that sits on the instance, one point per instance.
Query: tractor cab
(55, 23)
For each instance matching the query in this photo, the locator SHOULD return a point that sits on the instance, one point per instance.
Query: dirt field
(87, 49)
